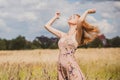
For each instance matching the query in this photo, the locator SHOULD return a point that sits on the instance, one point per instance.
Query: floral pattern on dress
(68, 69)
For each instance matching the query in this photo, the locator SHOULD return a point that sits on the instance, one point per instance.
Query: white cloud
(36, 13)
(106, 15)
(62, 22)
(91, 19)
(3, 27)
(26, 2)
(117, 4)
(2, 23)
(106, 27)
(27, 16)
(3, 3)
(41, 5)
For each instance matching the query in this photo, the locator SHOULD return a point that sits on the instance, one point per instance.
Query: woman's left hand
(91, 11)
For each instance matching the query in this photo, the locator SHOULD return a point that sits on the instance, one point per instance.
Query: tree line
(43, 42)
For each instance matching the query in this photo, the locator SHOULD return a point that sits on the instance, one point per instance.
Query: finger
(94, 9)
(57, 11)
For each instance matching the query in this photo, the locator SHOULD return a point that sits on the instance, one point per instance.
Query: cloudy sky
(28, 17)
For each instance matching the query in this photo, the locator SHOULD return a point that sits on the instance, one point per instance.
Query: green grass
(49, 72)
(103, 65)
(28, 72)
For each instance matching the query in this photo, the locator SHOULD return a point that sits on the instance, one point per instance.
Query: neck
(72, 30)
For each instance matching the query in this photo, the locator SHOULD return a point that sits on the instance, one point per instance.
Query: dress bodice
(67, 44)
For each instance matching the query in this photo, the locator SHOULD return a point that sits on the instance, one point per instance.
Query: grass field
(96, 64)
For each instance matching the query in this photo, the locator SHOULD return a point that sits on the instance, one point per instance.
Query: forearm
(50, 22)
(89, 11)
(51, 29)
(82, 18)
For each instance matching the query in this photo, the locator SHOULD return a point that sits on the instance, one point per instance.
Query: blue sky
(28, 17)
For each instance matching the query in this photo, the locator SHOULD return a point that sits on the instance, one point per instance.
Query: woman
(80, 32)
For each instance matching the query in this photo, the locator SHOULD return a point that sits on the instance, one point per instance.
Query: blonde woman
(80, 32)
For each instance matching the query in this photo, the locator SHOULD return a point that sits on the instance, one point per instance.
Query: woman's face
(73, 19)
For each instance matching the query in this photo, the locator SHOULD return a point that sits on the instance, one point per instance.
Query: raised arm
(51, 29)
(85, 24)
(84, 15)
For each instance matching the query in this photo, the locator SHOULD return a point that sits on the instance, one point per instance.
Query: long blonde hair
(86, 33)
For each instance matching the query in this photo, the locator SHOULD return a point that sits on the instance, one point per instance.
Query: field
(96, 64)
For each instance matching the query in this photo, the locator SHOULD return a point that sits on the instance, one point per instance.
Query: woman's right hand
(57, 15)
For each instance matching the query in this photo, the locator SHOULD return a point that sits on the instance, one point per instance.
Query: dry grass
(96, 64)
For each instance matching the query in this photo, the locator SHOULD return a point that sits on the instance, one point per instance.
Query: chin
(71, 22)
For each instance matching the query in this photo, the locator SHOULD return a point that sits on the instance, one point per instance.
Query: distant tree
(29, 45)
(54, 44)
(36, 44)
(2, 44)
(7, 43)
(115, 42)
(96, 43)
(46, 42)
(18, 43)
(108, 43)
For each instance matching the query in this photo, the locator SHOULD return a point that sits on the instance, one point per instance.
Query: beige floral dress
(68, 69)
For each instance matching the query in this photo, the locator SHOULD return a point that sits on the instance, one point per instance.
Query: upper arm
(55, 31)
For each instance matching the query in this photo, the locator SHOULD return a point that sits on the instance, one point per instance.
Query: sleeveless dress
(68, 69)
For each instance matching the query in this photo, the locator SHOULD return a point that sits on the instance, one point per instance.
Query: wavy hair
(86, 33)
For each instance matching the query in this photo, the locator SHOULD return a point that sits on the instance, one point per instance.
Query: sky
(28, 17)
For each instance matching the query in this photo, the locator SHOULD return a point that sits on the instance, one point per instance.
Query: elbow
(46, 26)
